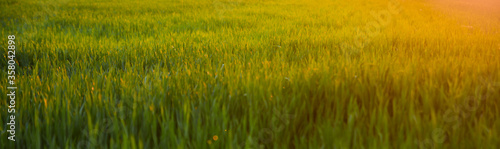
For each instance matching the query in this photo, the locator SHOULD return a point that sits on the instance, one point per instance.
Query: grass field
(250, 74)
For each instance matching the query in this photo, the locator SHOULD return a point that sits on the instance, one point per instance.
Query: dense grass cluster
(252, 74)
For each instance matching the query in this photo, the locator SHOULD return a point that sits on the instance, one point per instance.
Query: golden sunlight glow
(490, 7)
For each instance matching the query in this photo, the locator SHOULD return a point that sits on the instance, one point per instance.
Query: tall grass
(262, 74)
